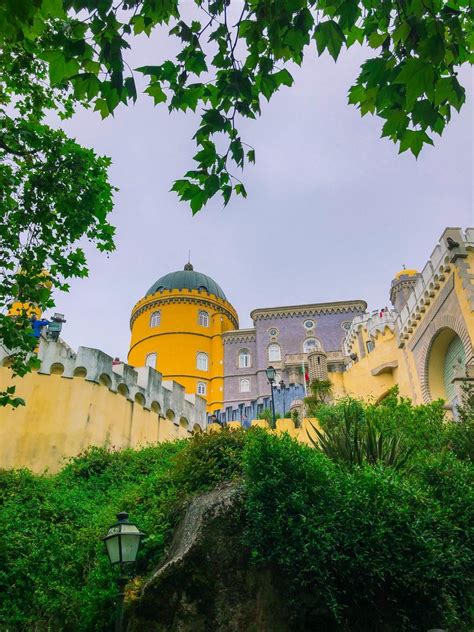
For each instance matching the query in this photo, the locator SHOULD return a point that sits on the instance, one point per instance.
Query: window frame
(152, 324)
(244, 353)
(204, 389)
(202, 355)
(149, 355)
(274, 346)
(317, 346)
(203, 318)
(247, 380)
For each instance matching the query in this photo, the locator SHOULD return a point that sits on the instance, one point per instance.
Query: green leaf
(251, 155)
(283, 77)
(329, 35)
(448, 89)
(226, 193)
(424, 114)
(418, 77)
(131, 88)
(397, 122)
(414, 141)
(155, 90)
(240, 190)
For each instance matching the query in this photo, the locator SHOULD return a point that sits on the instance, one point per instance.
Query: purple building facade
(281, 337)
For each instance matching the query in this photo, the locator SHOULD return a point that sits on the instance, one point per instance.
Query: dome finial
(189, 265)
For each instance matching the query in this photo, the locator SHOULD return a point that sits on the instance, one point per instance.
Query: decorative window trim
(242, 381)
(203, 318)
(274, 345)
(155, 319)
(201, 388)
(244, 353)
(309, 324)
(201, 355)
(273, 332)
(317, 346)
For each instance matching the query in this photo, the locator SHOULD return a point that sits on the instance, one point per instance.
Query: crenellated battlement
(451, 251)
(142, 385)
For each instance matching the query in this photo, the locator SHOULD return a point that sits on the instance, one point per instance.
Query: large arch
(445, 351)
(440, 322)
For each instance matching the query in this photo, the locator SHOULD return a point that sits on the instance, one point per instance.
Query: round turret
(177, 329)
(402, 286)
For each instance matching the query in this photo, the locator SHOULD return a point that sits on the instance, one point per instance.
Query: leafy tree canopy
(56, 54)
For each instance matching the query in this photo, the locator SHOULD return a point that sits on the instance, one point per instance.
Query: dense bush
(367, 548)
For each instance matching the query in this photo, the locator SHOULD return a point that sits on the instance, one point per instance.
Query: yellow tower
(177, 328)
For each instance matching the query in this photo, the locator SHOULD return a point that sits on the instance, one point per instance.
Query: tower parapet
(318, 365)
(401, 288)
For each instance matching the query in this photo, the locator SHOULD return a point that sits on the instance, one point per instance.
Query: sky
(333, 211)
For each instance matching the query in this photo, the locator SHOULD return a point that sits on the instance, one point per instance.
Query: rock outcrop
(207, 582)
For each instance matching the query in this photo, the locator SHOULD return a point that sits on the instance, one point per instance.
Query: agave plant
(355, 440)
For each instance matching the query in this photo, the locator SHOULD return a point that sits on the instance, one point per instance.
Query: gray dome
(187, 279)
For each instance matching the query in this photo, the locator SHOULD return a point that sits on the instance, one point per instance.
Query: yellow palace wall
(64, 416)
(179, 337)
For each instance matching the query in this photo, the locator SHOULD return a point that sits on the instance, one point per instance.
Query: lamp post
(122, 543)
(282, 389)
(271, 380)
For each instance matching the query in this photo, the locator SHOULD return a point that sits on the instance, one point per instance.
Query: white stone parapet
(373, 322)
(445, 255)
(142, 385)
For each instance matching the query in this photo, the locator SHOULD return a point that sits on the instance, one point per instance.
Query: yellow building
(177, 329)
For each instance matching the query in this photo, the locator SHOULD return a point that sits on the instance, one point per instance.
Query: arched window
(310, 344)
(274, 353)
(202, 361)
(244, 358)
(150, 360)
(155, 319)
(201, 388)
(245, 385)
(203, 318)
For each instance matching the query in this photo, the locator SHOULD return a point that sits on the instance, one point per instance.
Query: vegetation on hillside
(358, 548)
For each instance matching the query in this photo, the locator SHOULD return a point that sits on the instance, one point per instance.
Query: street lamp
(271, 374)
(282, 389)
(122, 543)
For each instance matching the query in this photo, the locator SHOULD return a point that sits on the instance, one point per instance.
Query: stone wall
(76, 400)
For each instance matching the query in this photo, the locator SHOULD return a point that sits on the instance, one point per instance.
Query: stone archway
(425, 360)
(445, 352)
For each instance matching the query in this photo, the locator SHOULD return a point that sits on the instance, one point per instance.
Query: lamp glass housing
(123, 541)
(271, 374)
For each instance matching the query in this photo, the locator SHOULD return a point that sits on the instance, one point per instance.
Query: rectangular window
(203, 319)
(202, 361)
(370, 346)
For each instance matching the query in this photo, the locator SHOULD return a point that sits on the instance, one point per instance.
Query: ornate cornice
(312, 310)
(239, 336)
(168, 299)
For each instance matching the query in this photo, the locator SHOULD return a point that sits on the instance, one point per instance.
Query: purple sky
(332, 210)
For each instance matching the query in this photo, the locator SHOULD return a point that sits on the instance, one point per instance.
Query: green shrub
(365, 550)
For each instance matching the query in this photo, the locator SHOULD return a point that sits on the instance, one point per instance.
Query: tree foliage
(233, 55)
(54, 195)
